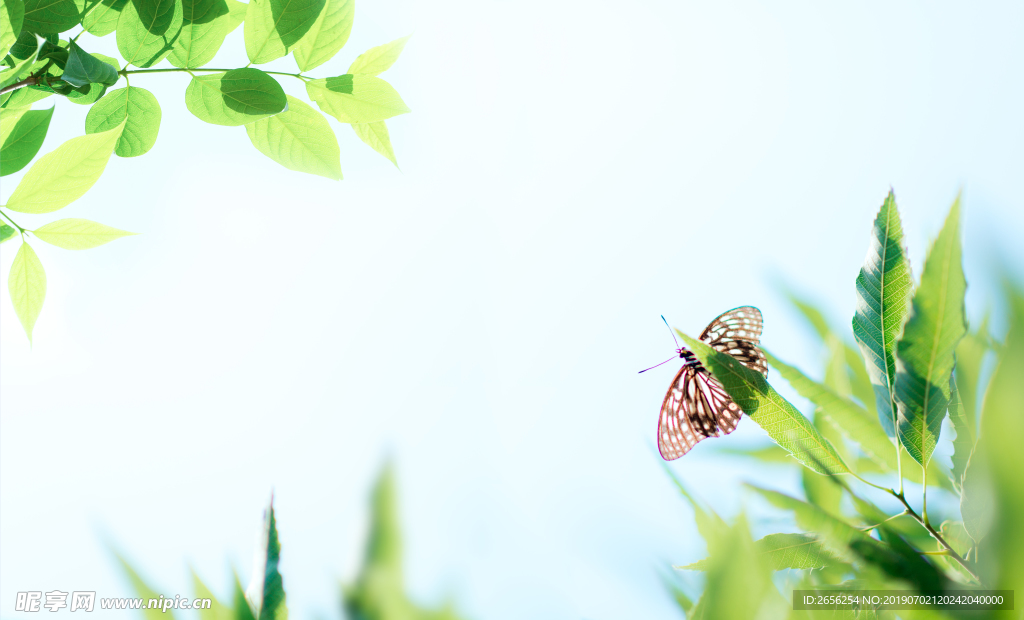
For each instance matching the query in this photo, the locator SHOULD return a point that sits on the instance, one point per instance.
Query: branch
(938, 537)
(26, 82)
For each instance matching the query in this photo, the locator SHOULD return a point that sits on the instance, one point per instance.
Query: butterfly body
(696, 405)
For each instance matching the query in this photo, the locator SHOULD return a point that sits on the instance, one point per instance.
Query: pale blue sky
(570, 171)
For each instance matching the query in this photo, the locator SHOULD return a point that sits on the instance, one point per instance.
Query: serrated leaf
(100, 18)
(377, 60)
(782, 551)
(206, 24)
(356, 98)
(266, 590)
(137, 109)
(83, 68)
(6, 232)
(377, 137)
(963, 443)
(884, 288)
(78, 234)
(147, 30)
(23, 140)
(299, 139)
(924, 353)
(64, 175)
(12, 15)
(326, 36)
(52, 16)
(237, 97)
(144, 591)
(274, 27)
(27, 287)
(777, 416)
(955, 534)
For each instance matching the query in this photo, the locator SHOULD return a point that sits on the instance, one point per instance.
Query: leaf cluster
(878, 416)
(42, 57)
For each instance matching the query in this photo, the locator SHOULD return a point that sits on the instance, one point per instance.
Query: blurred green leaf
(326, 36)
(782, 551)
(924, 353)
(266, 590)
(709, 524)
(299, 139)
(274, 27)
(12, 14)
(777, 416)
(137, 109)
(144, 591)
(236, 97)
(684, 602)
(217, 610)
(147, 30)
(1000, 438)
(22, 138)
(241, 610)
(963, 443)
(377, 60)
(78, 234)
(884, 288)
(59, 178)
(739, 583)
(27, 287)
(6, 232)
(356, 98)
(970, 355)
(771, 453)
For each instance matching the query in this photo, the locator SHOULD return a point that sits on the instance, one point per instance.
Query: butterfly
(696, 405)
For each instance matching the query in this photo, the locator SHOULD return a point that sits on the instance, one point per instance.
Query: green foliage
(27, 286)
(39, 63)
(78, 234)
(908, 343)
(266, 591)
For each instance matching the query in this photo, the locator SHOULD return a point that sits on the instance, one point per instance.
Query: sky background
(570, 171)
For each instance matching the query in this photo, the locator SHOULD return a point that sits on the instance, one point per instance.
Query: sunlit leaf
(147, 29)
(377, 60)
(137, 109)
(356, 98)
(377, 137)
(299, 139)
(27, 286)
(884, 289)
(236, 97)
(274, 27)
(206, 23)
(144, 591)
(101, 16)
(777, 416)
(12, 15)
(51, 16)
(59, 178)
(22, 68)
(78, 234)
(22, 138)
(326, 36)
(924, 353)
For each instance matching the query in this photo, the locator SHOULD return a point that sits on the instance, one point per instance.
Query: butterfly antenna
(656, 365)
(671, 332)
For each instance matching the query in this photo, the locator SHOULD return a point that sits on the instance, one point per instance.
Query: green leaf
(771, 453)
(78, 234)
(782, 551)
(144, 591)
(736, 561)
(266, 591)
(242, 610)
(137, 109)
(27, 286)
(710, 526)
(326, 36)
(237, 97)
(12, 15)
(87, 95)
(924, 353)
(24, 138)
(28, 44)
(83, 68)
(777, 416)
(64, 175)
(51, 16)
(147, 29)
(274, 27)
(6, 232)
(101, 16)
(356, 98)
(883, 300)
(9, 120)
(299, 139)
(377, 60)
(376, 135)
(23, 67)
(963, 443)
(217, 609)
(955, 534)
(206, 24)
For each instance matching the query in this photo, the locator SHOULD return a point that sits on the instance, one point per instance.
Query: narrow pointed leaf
(710, 526)
(326, 36)
(59, 178)
(12, 15)
(777, 416)
(771, 453)
(970, 355)
(147, 30)
(299, 139)
(377, 137)
(236, 97)
(78, 234)
(378, 59)
(782, 551)
(100, 18)
(22, 142)
(137, 109)
(963, 443)
(274, 27)
(144, 591)
(737, 562)
(27, 286)
(83, 68)
(883, 302)
(217, 609)
(206, 24)
(266, 591)
(242, 609)
(356, 98)
(51, 16)
(924, 353)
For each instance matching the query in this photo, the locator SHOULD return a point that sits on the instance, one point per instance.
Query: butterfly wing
(738, 332)
(696, 406)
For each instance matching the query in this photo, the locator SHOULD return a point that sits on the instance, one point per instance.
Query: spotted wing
(696, 406)
(738, 332)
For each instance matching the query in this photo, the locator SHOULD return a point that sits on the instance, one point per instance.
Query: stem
(8, 218)
(938, 537)
(26, 82)
(869, 528)
(924, 494)
(209, 69)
